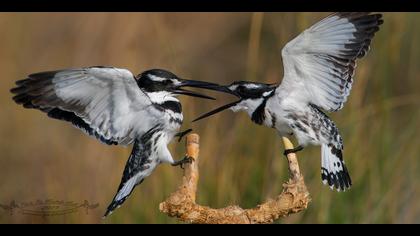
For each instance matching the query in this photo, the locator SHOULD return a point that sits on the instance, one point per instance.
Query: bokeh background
(241, 163)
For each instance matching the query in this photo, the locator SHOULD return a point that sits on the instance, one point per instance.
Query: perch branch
(181, 204)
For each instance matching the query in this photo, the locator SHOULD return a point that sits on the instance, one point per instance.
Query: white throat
(162, 96)
(248, 105)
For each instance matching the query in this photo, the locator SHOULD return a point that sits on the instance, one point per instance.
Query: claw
(186, 159)
(294, 150)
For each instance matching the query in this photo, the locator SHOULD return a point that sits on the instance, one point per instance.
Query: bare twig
(181, 203)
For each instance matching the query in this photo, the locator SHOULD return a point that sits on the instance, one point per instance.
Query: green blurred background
(241, 163)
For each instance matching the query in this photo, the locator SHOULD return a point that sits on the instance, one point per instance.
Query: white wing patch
(319, 64)
(105, 102)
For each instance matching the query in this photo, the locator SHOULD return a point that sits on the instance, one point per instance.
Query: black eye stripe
(150, 85)
(166, 82)
(241, 89)
(252, 92)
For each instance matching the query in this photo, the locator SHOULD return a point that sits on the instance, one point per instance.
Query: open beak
(196, 84)
(191, 93)
(217, 110)
(223, 89)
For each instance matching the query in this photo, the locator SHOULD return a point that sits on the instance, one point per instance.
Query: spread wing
(104, 102)
(320, 62)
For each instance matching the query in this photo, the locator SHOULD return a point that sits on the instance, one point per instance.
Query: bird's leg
(182, 134)
(186, 159)
(293, 150)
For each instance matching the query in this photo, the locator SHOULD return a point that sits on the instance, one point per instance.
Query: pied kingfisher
(116, 107)
(319, 66)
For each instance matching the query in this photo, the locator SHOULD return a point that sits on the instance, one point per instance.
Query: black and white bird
(319, 67)
(116, 107)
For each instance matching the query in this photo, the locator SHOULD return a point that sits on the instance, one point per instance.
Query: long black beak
(223, 89)
(195, 84)
(191, 93)
(217, 110)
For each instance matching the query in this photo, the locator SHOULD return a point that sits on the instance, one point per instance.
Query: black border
(207, 5)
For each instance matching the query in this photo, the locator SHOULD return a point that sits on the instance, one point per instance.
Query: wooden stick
(181, 204)
(294, 170)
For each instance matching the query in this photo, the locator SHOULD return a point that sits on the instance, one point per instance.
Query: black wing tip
(357, 14)
(379, 17)
(23, 98)
(43, 74)
(22, 81)
(20, 86)
(364, 17)
(16, 90)
(24, 89)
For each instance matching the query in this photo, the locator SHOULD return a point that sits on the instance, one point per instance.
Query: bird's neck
(166, 102)
(161, 97)
(248, 105)
(258, 115)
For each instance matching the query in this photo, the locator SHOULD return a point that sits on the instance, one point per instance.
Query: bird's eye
(241, 89)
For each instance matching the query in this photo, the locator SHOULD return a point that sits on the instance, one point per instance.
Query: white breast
(276, 107)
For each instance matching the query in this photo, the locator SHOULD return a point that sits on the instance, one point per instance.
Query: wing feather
(105, 102)
(320, 62)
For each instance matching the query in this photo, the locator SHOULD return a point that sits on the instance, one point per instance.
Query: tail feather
(120, 197)
(141, 163)
(333, 169)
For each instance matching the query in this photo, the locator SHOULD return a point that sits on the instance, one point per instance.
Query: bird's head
(162, 83)
(250, 94)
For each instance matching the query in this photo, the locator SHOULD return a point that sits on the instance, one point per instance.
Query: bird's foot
(181, 134)
(294, 150)
(186, 159)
